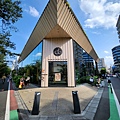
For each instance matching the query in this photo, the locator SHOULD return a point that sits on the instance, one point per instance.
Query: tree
(10, 12)
(103, 71)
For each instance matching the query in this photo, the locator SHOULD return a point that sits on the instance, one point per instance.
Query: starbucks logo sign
(57, 51)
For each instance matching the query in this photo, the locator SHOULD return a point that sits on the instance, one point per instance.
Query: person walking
(22, 83)
(28, 81)
(109, 81)
(98, 82)
(3, 79)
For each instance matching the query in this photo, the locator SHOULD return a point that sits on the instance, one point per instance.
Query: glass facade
(32, 65)
(78, 59)
(116, 55)
(118, 26)
(84, 64)
(88, 62)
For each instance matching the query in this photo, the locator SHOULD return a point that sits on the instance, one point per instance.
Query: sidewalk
(56, 103)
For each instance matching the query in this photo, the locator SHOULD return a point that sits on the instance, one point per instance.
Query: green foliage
(33, 70)
(84, 79)
(95, 80)
(10, 12)
(16, 80)
(103, 70)
(4, 69)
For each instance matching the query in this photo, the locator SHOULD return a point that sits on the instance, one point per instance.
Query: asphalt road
(103, 111)
(116, 85)
(3, 98)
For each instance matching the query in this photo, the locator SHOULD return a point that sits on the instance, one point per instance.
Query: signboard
(57, 51)
(57, 76)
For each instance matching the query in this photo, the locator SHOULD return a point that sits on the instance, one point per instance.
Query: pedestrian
(91, 80)
(10, 78)
(98, 82)
(3, 79)
(102, 83)
(22, 83)
(109, 81)
(27, 81)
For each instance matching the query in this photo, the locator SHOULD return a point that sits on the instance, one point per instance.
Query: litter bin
(76, 103)
(35, 110)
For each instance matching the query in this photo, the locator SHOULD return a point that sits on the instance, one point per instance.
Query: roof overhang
(57, 21)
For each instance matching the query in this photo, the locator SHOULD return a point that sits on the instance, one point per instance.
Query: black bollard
(76, 103)
(35, 110)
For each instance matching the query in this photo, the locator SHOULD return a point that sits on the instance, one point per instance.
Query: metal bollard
(35, 110)
(76, 103)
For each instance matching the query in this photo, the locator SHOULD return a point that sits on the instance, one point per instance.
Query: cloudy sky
(97, 17)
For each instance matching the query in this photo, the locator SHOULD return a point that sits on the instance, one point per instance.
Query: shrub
(84, 79)
(95, 80)
(16, 80)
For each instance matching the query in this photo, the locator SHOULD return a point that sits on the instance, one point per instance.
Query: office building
(89, 63)
(118, 27)
(101, 64)
(116, 55)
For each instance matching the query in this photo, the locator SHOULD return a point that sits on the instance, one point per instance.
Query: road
(107, 109)
(3, 98)
(103, 112)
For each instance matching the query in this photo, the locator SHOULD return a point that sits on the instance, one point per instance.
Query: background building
(89, 63)
(118, 27)
(116, 55)
(101, 64)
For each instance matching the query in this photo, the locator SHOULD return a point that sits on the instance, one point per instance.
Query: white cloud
(109, 61)
(97, 33)
(38, 54)
(106, 52)
(100, 13)
(32, 11)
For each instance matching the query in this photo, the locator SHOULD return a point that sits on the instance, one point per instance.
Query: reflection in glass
(32, 65)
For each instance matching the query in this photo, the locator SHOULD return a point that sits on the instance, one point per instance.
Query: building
(51, 45)
(118, 27)
(101, 64)
(78, 58)
(116, 55)
(88, 62)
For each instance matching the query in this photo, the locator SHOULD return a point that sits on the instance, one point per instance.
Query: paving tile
(57, 103)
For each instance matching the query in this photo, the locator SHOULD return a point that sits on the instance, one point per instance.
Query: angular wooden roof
(58, 21)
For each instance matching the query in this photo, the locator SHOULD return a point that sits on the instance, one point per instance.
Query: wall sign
(57, 51)
(57, 76)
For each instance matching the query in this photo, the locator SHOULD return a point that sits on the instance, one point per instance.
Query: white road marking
(7, 112)
(116, 100)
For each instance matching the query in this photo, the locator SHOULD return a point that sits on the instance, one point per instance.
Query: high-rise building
(118, 27)
(116, 55)
(88, 62)
(101, 64)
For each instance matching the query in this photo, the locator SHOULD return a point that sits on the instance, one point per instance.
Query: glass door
(57, 74)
